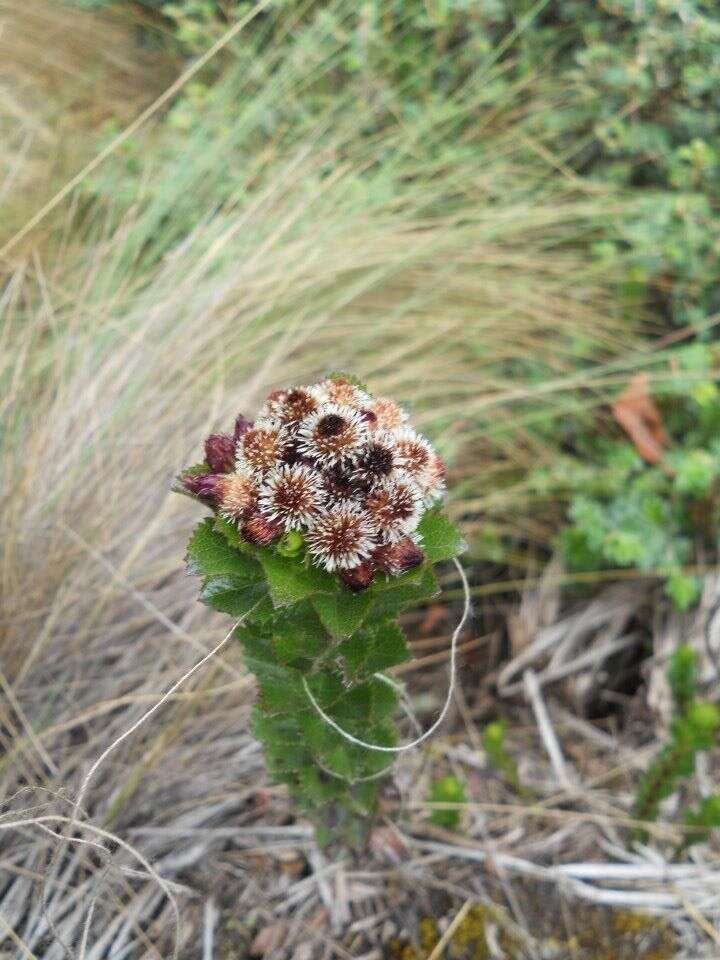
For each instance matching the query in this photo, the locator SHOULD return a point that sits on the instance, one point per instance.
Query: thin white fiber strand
(448, 699)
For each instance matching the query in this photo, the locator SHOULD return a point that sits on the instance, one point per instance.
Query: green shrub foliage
(625, 512)
(447, 789)
(493, 740)
(642, 110)
(694, 728)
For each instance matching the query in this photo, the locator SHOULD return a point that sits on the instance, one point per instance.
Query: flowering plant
(325, 526)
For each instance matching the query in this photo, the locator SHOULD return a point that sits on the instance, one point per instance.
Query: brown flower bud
(399, 557)
(206, 486)
(242, 425)
(220, 453)
(260, 531)
(360, 577)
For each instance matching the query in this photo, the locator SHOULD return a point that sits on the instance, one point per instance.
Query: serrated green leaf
(283, 692)
(232, 596)
(229, 531)
(375, 649)
(290, 580)
(257, 650)
(342, 612)
(209, 554)
(298, 633)
(390, 600)
(441, 539)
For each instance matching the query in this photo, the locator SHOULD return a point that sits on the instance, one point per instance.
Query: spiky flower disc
(261, 447)
(432, 480)
(339, 486)
(339, 390)
(291, 495)
(341, 537)
(389, 414)
(237, 494)
(333, 434)
(394, 507)
(377, 460)
(414, 451)
(297, 405)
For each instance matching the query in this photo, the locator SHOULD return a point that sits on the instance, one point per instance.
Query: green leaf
(209, 554)
(683, 590)
(447, 790)
(342, 612)
(196, 470)
(231, 533)
(298, 633)
(376, 648)
(232, 596)
(441, 538)
(389, 600)
(695, 472)
(290, 580)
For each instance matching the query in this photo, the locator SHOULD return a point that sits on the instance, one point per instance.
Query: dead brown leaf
(268, 939)
(638, 415)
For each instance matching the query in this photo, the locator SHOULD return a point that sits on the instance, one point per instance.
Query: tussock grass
(66, 75)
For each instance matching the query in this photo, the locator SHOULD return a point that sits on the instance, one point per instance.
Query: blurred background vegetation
(516, 202)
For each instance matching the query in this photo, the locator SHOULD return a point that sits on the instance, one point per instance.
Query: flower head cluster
(341, 467)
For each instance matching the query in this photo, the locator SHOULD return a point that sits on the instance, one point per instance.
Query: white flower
(291, 495)
(237, 494)
(390, 415)
(377, 460)
(333, 434)
(414, 452)
(395, 507)
(341, 537)
(261, 447)
(432, 480)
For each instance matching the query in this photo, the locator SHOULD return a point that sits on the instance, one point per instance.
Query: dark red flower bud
(260, 531)
(360, 577)
(370, 418)
(206, 486)
(242, 425)
(395, 558)
(220, 453)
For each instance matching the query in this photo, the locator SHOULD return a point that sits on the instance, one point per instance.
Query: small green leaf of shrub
(447, 790)
(695, 727)
(683, 590)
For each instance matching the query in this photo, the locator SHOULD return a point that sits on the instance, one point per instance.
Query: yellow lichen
(469, 939)
(429, 934)
(598, 935)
